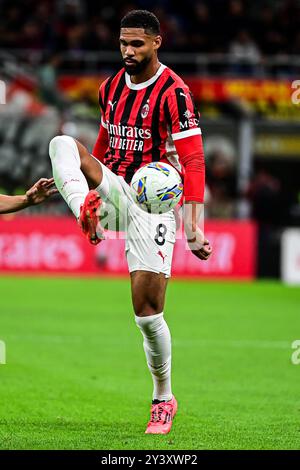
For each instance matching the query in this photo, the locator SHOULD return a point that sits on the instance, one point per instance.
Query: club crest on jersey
(145, 110)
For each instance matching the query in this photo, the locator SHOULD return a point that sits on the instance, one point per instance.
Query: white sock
(68, 177)
(104, 187)
(157, 346)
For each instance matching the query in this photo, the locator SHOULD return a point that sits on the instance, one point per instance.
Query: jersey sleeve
(102, 97)
(103, 94)
(182, 119)
(181, 114)
(101, 143)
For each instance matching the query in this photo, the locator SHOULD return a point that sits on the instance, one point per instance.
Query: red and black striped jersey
(142, 119)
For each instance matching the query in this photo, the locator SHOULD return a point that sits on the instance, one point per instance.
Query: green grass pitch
(76, 376)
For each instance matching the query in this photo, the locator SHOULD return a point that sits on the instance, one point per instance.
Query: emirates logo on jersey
(145, 110)
(127, 137)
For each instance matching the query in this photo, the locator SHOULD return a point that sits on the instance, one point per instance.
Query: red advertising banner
(55, 245)
(204, 89)
(270, 97)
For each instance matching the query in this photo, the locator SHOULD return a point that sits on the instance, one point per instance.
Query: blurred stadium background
(241, 59)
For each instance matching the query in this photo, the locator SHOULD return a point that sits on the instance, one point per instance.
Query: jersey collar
(140, 86)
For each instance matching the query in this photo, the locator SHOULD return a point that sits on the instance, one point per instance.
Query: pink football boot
(162, 415)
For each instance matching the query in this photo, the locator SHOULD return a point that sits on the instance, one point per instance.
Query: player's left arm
(191, 156)
(101, 143)
(183, 120)
(198, 243)
(38, 193)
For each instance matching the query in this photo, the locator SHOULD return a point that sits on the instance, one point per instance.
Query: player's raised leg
(75, 171)
(148, 296)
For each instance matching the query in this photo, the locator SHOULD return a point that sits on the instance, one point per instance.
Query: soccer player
(141, 106)
(35, 195)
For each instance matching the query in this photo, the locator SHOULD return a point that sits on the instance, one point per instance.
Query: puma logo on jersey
(111, 104)
(162, 255)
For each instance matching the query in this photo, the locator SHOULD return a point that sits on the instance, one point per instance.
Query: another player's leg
(148, 296)
(74, 172)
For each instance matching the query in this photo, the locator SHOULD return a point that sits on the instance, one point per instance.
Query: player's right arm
(101, 143)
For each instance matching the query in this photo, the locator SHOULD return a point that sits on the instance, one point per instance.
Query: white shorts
(149, 238)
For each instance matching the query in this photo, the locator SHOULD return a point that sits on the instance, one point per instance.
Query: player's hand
(198, 244)
(40, 191)
(204, 252)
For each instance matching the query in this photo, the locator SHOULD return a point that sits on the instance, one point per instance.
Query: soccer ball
(156, 187)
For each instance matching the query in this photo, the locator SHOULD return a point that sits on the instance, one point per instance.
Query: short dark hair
(141, 19)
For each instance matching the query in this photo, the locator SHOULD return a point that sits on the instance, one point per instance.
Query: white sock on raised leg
(68, 177)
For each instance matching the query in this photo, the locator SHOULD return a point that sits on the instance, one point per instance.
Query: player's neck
(146, 74)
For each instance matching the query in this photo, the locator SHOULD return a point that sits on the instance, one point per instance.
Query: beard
(136, 67)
